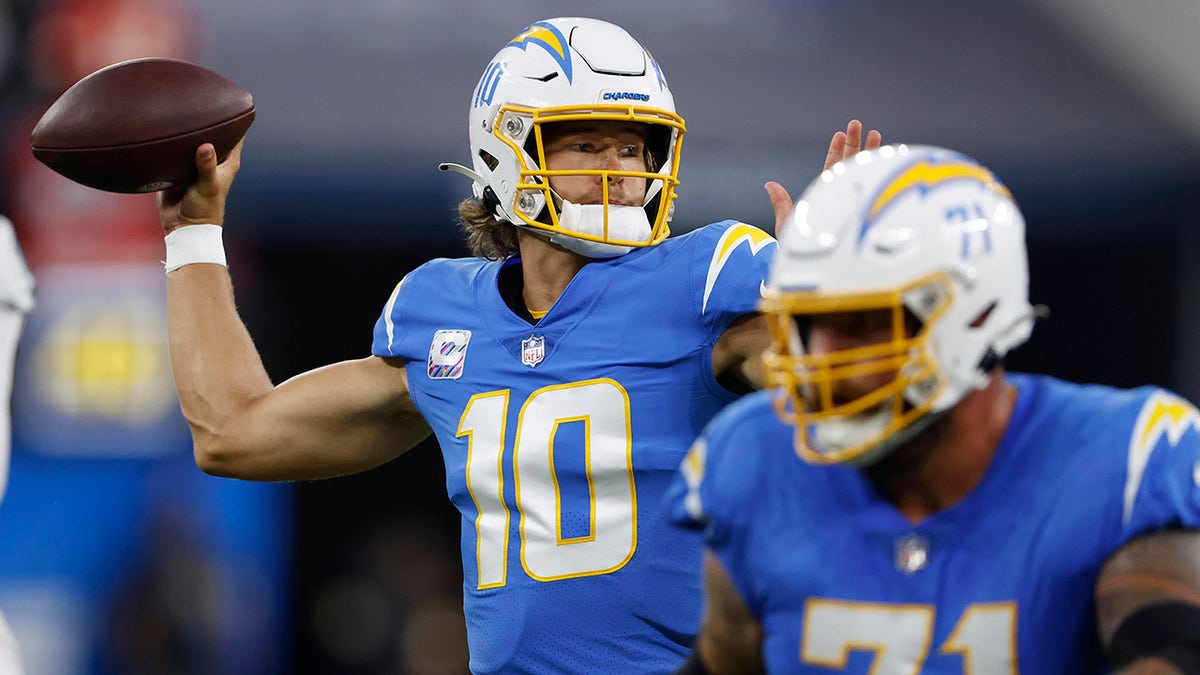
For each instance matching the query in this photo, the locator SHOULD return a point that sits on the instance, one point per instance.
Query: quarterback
(564, 370)
(894, 501)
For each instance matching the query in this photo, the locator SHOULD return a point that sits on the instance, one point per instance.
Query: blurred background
(118, 556)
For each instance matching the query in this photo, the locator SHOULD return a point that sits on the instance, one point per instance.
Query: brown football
(135, 126)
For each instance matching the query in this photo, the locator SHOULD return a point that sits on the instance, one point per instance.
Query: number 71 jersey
(560, 438)
(1001, 582)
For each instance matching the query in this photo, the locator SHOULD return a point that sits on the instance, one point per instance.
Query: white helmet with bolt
(561, 70)
(926, 234)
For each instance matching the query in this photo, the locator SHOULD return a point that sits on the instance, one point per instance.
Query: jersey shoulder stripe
(735, 235)
(1162, 415)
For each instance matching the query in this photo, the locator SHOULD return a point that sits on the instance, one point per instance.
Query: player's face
(827, 333)
(597, 145)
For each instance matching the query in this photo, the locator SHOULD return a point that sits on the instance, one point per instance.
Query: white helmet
(925, 234)
(561, 70)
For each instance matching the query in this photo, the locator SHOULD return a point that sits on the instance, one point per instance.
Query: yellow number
(899, 636)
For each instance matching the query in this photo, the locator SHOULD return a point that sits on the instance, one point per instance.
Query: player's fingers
(203, 200)
(206, 159)
(781, 204)
(208, 180)
(853, 139)
(228, 168)
(836, 145)
(874, 139)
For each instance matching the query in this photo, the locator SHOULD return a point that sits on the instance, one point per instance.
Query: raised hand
(843, 145)
(848, 143)
(201, 202)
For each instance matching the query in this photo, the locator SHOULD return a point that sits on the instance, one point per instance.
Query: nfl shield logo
(533, 350)
(912, 553)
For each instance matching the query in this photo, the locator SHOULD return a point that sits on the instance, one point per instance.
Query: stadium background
(117, 556)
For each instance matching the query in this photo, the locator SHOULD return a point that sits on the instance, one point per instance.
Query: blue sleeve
(389, 327)
(1163, 470)
(729, 269)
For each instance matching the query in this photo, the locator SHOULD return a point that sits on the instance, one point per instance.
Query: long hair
(487, 237)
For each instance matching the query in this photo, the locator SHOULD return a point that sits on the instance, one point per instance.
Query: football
(134, 126)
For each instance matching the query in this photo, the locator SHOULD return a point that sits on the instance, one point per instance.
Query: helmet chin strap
(627, 223)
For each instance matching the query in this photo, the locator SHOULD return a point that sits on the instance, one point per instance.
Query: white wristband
(193, 244)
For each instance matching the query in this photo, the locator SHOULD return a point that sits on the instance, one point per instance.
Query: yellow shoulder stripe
(740, 233)
(1162, 414)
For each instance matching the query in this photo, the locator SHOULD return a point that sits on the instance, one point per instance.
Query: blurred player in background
(895, 502)
(564, 370)
(16, 301)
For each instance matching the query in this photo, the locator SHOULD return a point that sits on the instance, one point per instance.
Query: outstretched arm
(1148, 604)
(340, 419)
(730, 640)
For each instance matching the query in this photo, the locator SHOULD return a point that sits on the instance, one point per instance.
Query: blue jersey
(561, 438)
(1002, 582)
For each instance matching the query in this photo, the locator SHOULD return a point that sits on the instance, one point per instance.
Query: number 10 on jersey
(602, 406)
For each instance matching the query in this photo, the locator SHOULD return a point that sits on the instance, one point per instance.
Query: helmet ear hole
(982, 317)
(489, 159)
